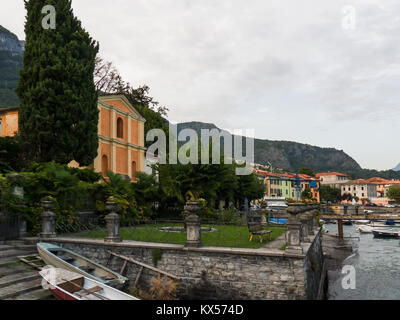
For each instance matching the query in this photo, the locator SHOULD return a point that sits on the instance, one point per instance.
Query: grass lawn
(225, 236)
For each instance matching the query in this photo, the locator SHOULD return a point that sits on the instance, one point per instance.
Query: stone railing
(302, 224)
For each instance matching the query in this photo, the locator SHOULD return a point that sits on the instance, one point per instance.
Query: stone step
(15, 242)
(39, 294)
(8, 261)
(5, 247)
(16, 252)
(20, 288)
(14, 268)
(12, 279)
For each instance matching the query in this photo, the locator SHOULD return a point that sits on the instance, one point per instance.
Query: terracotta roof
(330, 174)
(263, 173)
(378, 180)
(358, 181)
(8, 109)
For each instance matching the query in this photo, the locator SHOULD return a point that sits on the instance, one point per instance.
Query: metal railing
(9, 227)
(77, 224)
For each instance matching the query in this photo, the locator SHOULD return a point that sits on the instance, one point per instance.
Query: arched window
(104, 164)
(120, 128)
(133, 169)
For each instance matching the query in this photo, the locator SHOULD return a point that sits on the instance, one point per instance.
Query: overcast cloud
(287, 69)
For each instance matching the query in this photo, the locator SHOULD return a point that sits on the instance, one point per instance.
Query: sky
(325, 73)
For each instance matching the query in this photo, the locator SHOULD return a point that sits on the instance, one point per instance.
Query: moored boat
(67, 285)
(361, 221)
(364, 229)
(388, 233)
(66, 259)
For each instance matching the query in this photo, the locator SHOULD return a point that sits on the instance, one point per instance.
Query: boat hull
(385, 234)
(66, 285)
(60, 295)
(52, 259)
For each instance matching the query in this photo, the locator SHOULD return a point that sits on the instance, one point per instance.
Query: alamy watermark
(49, 275)
(349, 21)
(349, 280)
(49, 21)
(189, 152)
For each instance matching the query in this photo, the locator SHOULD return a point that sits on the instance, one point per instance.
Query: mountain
(397, 168)
(11, 52)
(290, 155)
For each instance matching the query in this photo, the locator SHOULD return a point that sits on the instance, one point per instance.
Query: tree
(58, 100)
(327, 193)
(11, 158)
(306, 194)
(306, 171)
(394, 193)
(107, 79)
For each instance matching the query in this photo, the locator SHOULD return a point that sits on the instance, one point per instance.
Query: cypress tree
(58, 100)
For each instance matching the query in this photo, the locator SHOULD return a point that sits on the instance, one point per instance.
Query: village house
(332, 179)
(360, 188)
(282, 185)
(382, 186)
(8, 122)
(120, 131)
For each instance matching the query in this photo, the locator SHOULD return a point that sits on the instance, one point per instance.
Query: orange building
(8, 122)
(120, 130)
(121, 137)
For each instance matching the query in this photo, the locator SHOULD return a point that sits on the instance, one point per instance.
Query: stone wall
(215, 273)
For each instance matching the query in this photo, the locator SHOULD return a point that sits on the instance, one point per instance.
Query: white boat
(59, 257)
(364, 229)
(67, 285)
(361, 221)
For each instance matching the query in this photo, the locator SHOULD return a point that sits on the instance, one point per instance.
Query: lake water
(377, 266)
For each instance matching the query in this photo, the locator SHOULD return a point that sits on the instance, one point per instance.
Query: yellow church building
(120, 131)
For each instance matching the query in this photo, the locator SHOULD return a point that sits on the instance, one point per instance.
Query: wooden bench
(256, 228)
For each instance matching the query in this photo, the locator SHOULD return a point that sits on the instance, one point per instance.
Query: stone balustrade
(301, 224)
(193, 225)
(113, 223)
(48, 220)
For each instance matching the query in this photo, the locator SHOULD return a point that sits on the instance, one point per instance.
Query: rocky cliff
(11, 52)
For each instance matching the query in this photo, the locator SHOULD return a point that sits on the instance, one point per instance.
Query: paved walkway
(278, 243)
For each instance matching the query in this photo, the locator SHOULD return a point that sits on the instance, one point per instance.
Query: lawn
(226, 235)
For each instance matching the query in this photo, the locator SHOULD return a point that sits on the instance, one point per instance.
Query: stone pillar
(193, 225)
(313, 223)
(112, 219)
(345, 207)
(263, 214)
(18, 192)
(294, 229)
(48, 220)
(304, 219)
(22, 227)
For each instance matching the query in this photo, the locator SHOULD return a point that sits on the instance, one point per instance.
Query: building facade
(120, 131)
(332, 179)
(359, 188)
(283, 185)
(121, 137)
(8, 122)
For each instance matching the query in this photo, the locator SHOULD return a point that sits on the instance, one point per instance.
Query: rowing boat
(59, 257)
(67, 285)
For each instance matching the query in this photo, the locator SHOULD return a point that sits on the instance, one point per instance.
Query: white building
(359, 188)
(332, 179)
